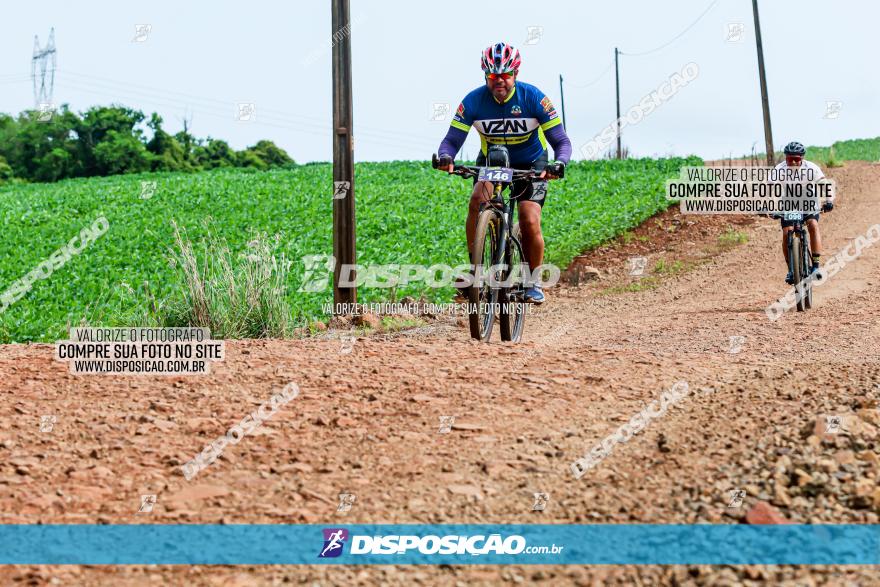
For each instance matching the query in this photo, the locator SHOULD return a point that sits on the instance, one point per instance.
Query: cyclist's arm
(828, 204)
(452, 142)
(560, 143)
(551, 126)
(822, 178)
(457, 133)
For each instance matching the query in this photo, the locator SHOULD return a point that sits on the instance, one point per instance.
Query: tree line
(110, 140)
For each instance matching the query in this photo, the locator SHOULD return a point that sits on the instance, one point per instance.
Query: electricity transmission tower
(44, 59)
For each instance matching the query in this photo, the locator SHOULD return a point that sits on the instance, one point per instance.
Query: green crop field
(834, 155)
(406, 213)
(853, 150)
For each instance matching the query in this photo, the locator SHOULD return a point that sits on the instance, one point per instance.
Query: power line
(321, 130)
(369, 133)
(676, 37)
(15, 81)
(276, 114)
(596, 80)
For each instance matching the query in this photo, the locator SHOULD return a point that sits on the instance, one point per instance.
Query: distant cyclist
(509, 112)
(794, 157)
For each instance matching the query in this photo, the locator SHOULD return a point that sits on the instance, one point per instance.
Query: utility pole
(562, 99)
(343, 154)
(617, 84)
(187, 142)
(765, 101)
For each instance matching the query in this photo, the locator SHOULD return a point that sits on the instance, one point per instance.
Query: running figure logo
(340, 189)
(736, 497)
(334, 540)
(637, 266)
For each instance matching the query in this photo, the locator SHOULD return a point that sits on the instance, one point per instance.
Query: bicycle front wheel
(482, 296)
(808, 269)
(796, 260)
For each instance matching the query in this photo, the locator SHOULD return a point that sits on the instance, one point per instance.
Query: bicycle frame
(505, 208)
(507, 211)
(799, 229)
(802, 285)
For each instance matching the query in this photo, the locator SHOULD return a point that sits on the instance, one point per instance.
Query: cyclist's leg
(533, 248)
(532, 238)
(530, 196)
(815, 238)
(482, 193)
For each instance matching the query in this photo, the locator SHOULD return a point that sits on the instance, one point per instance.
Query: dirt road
(367, 422)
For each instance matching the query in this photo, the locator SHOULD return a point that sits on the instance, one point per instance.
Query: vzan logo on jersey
(504, 126)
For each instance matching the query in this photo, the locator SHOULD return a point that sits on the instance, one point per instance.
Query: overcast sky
(200, 59)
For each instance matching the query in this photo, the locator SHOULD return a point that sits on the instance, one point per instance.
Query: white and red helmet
(500, 58)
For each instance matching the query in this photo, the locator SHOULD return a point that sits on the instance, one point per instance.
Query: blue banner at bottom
(425, 544)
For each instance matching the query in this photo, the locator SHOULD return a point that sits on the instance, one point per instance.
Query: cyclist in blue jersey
(519, 115)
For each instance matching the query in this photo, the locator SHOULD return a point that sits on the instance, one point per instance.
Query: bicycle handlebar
(468, 171)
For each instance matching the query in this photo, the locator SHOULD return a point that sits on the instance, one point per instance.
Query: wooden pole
(617, 85)
(765, 101)
(343, 154)
(562, 100)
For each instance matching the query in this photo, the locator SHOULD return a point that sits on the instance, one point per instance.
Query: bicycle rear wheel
(482, 297)
(796, 260)
(512, 317)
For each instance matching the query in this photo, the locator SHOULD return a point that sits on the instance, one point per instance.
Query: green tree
(215, 153)
(5, 171)
(41, 142)
(168, 154)
(106, 140)
(250, 158)
(267, 152)
(107, 123)
(119, 152)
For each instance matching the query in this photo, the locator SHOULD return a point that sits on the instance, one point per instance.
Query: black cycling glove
(557, 169)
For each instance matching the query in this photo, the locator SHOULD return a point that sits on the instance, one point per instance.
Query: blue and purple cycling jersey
(526, 122)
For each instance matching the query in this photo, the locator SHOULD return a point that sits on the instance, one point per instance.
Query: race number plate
(792, 216)
(496, 174)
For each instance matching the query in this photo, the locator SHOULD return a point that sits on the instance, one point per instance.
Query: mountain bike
(800, 260)
(499, 268)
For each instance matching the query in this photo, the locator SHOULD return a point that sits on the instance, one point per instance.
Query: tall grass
(236, 296)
